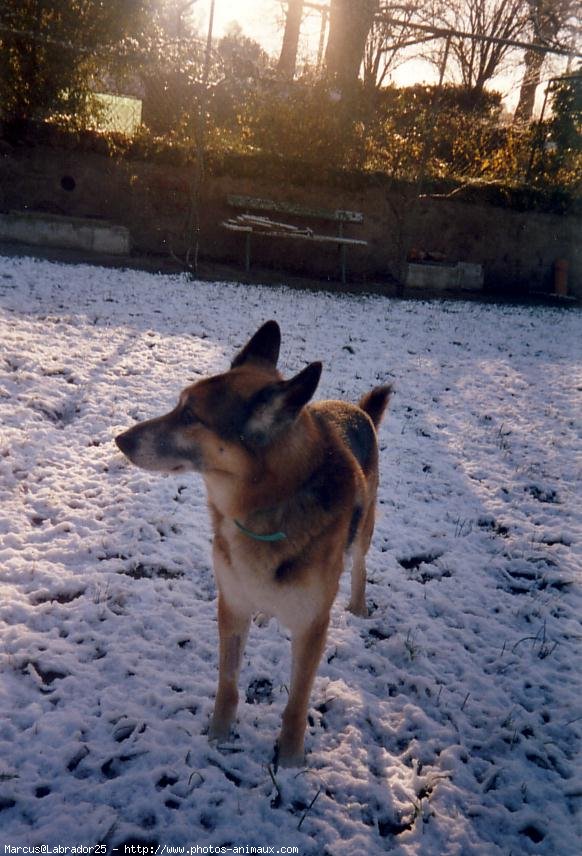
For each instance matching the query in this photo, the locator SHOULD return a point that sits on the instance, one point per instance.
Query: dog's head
(219, 422)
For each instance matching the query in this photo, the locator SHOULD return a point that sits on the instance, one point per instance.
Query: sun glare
(261, 20)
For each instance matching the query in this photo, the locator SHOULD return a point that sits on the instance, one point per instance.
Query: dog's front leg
(306, 647)
(233, 628)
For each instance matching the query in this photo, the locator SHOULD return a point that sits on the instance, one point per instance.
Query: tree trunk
(349, 25)
(531, 79)
(288, 57)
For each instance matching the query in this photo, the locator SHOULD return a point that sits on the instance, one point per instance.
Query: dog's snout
(126, 442)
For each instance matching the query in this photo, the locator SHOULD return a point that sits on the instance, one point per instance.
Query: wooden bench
(251, 224)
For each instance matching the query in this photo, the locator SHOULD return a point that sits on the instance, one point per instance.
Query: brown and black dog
(291, 487)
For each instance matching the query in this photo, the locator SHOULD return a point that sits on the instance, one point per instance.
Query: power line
(443, 32)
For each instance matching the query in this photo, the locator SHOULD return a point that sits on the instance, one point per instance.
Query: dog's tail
(375, 402)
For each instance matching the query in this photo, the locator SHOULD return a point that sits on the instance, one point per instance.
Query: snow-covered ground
(446, 723)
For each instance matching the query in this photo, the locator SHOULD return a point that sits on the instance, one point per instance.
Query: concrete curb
(51, 230)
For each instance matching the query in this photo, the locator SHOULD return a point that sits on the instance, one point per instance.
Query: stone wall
(518, 249)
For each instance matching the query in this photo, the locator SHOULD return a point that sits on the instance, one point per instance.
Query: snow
(446, 723)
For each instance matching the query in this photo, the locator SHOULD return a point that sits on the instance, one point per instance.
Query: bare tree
(499, 21)
(389, 34)
(288, 56)
(547, 20)
(349, 25)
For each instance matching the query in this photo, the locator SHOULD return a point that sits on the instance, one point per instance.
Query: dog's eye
(187, 416)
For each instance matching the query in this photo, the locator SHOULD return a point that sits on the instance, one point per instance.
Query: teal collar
(274, 536)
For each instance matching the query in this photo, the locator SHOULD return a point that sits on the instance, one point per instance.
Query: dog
(291, 487)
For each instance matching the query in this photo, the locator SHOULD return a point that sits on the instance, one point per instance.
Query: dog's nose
(126, 442)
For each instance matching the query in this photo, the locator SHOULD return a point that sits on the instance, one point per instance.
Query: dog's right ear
(276, 406)
(263, 346)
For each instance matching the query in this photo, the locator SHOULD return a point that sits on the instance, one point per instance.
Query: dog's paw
(219, 732)
(288, 756)
(359, 609)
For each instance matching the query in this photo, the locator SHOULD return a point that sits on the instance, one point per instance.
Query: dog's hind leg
(233, 628)
(357, 603)
(306, 648)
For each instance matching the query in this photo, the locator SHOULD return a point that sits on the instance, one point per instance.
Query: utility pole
(193, 223)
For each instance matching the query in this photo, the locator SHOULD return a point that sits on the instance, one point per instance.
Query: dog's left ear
(278, 405)
(263, 346)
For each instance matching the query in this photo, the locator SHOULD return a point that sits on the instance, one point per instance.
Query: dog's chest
(246, 574)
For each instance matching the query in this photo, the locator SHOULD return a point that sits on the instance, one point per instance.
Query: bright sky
(263, 20)
(260, 19)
